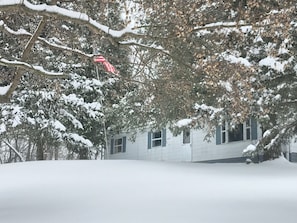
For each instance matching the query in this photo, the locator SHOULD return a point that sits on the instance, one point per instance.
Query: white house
(226, 146)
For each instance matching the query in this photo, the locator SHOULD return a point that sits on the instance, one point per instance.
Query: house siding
(172, 149)
(198, 150)
(291, 151)
(293, 157)
(203, 150)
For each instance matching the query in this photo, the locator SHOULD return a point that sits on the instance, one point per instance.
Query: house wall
(208, 150)
(291, 151)
(203, 150)
(198, 150)
(174, 150)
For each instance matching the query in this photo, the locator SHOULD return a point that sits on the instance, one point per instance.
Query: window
(118, 145)
(186, 136)
(235, 133)
(227, 133)
(157, 138)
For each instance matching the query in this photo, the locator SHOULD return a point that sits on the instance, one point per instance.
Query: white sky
(143, 191)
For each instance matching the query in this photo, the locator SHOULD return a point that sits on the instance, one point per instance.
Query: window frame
(186, 138)
(118, 147)
(248, 129)
(156, 138)
(246, 132)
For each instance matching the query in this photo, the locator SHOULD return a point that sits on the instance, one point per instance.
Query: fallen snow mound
(143, 191)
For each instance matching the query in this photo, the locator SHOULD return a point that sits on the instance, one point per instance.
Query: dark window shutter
(149, 140)
(124, 144)
(218, 135)
(111, 146)
(163, 137)
(254, 129)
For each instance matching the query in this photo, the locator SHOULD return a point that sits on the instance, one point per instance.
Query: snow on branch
(241, 24)
(23, 32)
(9, 30)
(212, 111)
(234, 59)
(45, 9)
(36, 69)
(151, 46)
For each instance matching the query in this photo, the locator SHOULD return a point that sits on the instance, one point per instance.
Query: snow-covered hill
(142, 191)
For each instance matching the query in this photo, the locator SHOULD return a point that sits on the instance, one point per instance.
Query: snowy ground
(143, 191)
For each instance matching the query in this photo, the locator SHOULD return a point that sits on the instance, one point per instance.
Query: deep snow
(144, 191)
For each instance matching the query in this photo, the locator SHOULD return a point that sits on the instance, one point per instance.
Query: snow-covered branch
(222, 25)
(36, 69)
(23, 32)
(11, 31)
(53, 10)
(151, 46)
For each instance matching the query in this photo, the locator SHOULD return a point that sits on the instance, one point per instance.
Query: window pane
(236, 134)
(118, 145)
(248, 123)
(156, 135)
(118, 141)
(156, 142)
(248, 133)
(224, 137)
(186, 136)
(119, 149)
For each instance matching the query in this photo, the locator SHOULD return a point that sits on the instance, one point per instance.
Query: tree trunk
(56, 153)
(39, 150)
(83, 154)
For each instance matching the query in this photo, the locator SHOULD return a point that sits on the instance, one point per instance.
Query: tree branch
(157, 48)
(75, 16)
(19, 72)
(16, 152)
(29, 67)
(23, 32)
